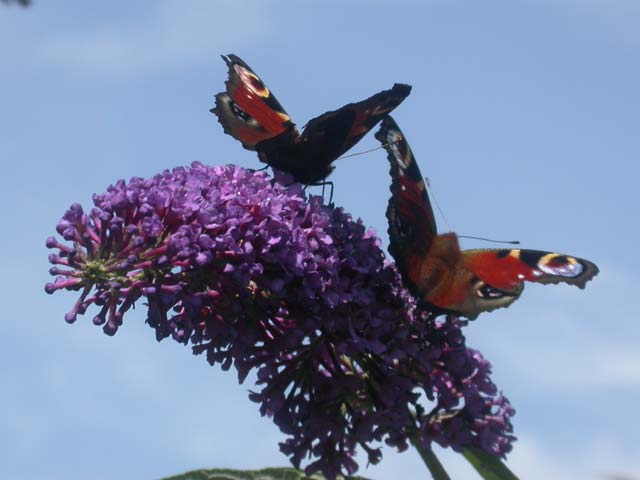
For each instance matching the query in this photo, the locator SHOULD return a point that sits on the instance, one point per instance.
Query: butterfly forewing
(509, 268)
(412, 225)
(247, 110)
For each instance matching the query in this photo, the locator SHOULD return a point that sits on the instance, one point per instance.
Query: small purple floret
(256, 276)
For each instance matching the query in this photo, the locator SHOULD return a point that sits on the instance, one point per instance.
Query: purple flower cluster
(253, 274)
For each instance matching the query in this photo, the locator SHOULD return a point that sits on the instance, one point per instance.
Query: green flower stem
(431, 461)
(488, 466)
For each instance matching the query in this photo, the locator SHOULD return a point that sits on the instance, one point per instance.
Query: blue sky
(524, 114)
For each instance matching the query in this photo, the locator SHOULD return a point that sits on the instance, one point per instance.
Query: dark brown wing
(325, 138)
(333, 133)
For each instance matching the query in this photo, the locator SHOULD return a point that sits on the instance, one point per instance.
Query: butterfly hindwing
(237, 123)
(247, 110)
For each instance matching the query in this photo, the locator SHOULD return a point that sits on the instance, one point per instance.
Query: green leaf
(488, 466)
(264, 474)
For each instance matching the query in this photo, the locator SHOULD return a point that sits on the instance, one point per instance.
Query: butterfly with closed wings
(436, 270)
(250, 113)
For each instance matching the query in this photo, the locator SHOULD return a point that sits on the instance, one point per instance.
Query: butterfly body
(288, 152)
(250, 113)
(436, 270)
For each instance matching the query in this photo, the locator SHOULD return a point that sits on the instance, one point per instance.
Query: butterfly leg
(253, 170)
(324, 184)
(331, 192)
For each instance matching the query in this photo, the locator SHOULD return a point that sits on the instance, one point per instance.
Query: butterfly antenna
(435, 200)
(370, 150)
(433, 197)
(511, 242)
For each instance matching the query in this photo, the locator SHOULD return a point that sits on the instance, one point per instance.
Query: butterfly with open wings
(250, 113)
(436, 271)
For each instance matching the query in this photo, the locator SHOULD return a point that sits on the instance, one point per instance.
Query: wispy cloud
(600, 366)
(170, 34)
(598, 460)
(613, 9)
(531, 458)
(566, 339)
(612, 19)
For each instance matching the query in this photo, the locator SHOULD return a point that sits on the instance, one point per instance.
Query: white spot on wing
(568, 269)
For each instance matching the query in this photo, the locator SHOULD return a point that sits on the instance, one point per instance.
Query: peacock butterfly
(464, 282)
(249, 112)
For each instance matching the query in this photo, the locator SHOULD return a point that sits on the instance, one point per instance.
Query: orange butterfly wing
(247, 110)
(508, 268)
